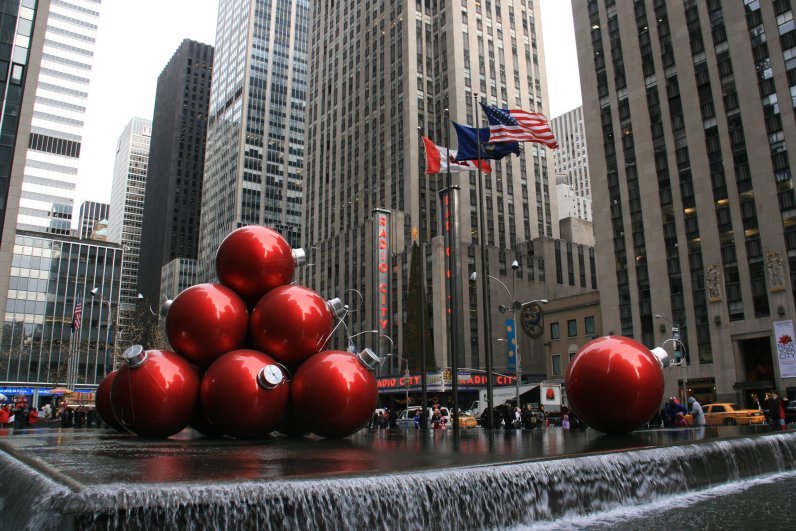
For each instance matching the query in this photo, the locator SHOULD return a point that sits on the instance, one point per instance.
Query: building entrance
(758, 370)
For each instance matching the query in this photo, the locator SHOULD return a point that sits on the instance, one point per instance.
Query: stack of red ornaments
(247, 356)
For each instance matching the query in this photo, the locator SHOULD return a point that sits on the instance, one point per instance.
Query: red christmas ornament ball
(102, 400)
(333, 393)
(253, 260)
(291, 323)
(155, 393)
(244, 393)
(614, 384)
(205, 321)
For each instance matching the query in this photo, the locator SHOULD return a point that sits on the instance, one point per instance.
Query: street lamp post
(515, 307)
(681, 361)
(94, 293)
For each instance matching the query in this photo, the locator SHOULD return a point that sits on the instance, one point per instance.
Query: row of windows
(57, 146)
(572, 328)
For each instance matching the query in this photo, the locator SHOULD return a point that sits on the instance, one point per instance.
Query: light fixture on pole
(514, 307)
(681, 361)
(165, 304)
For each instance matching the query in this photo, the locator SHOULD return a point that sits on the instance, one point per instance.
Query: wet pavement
(100, 456)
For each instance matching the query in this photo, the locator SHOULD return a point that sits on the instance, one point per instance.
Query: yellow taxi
(726, 414)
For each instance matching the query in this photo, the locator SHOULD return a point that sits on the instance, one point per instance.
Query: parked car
(727, 414)
(406, 419)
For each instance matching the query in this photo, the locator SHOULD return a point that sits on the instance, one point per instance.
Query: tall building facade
(570, 203)
(572, 156)
(176, 164)
(91, 213)
(59, 111)
(49, 275)
(255, 132)
(382, 72)
(176, 276)
(689, 115)
(127, 211)
(20, 58)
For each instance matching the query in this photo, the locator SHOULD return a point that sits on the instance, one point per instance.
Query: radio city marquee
(439, 381)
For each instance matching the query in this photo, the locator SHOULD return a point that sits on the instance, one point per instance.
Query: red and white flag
(516, 125)
(439, 158)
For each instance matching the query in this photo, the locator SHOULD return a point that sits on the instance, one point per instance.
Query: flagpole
(484, 278)
(423, 309)
(453, 273)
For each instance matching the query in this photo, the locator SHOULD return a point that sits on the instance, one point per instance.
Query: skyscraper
(689, 116)
(53, 155)
(382, 72)
(20, 57)
(176, 164)
(127, 209)
(91, 212)
(255, 133)
(571, 157)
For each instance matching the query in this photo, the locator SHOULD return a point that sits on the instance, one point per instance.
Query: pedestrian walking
(696, 411)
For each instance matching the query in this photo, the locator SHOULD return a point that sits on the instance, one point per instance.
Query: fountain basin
(375, 480)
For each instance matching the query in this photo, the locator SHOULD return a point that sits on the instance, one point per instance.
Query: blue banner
(511, 340)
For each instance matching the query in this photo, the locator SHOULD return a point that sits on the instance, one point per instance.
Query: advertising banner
(786, 348)
(511, 340)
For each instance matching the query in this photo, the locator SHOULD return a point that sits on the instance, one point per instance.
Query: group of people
(673, 414)
(383, 419)
(19, 414)
(776, 410)
(510, 417)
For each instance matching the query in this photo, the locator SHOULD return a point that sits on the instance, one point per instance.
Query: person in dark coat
(67, 417)
(776, 411)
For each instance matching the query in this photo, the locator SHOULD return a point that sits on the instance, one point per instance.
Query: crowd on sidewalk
(20, 414)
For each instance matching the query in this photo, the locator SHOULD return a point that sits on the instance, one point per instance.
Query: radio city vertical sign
(382, 229)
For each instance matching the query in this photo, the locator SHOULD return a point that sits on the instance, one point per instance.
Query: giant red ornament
(155, 393)
(205, 321)
(291, 323)
(102, 400)
(333, 393)
(244, 393)
(253, 260)
(614, 384)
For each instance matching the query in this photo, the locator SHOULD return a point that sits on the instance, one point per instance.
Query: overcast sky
(138, 37)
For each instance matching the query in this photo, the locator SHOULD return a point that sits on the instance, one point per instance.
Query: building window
(554, 333)
(572, 327)
(588, 324)
(556, 364)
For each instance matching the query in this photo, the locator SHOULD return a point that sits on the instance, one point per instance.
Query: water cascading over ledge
(457, 498)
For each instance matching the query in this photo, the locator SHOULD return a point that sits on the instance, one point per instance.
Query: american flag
(516, 125)
(77, 313)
